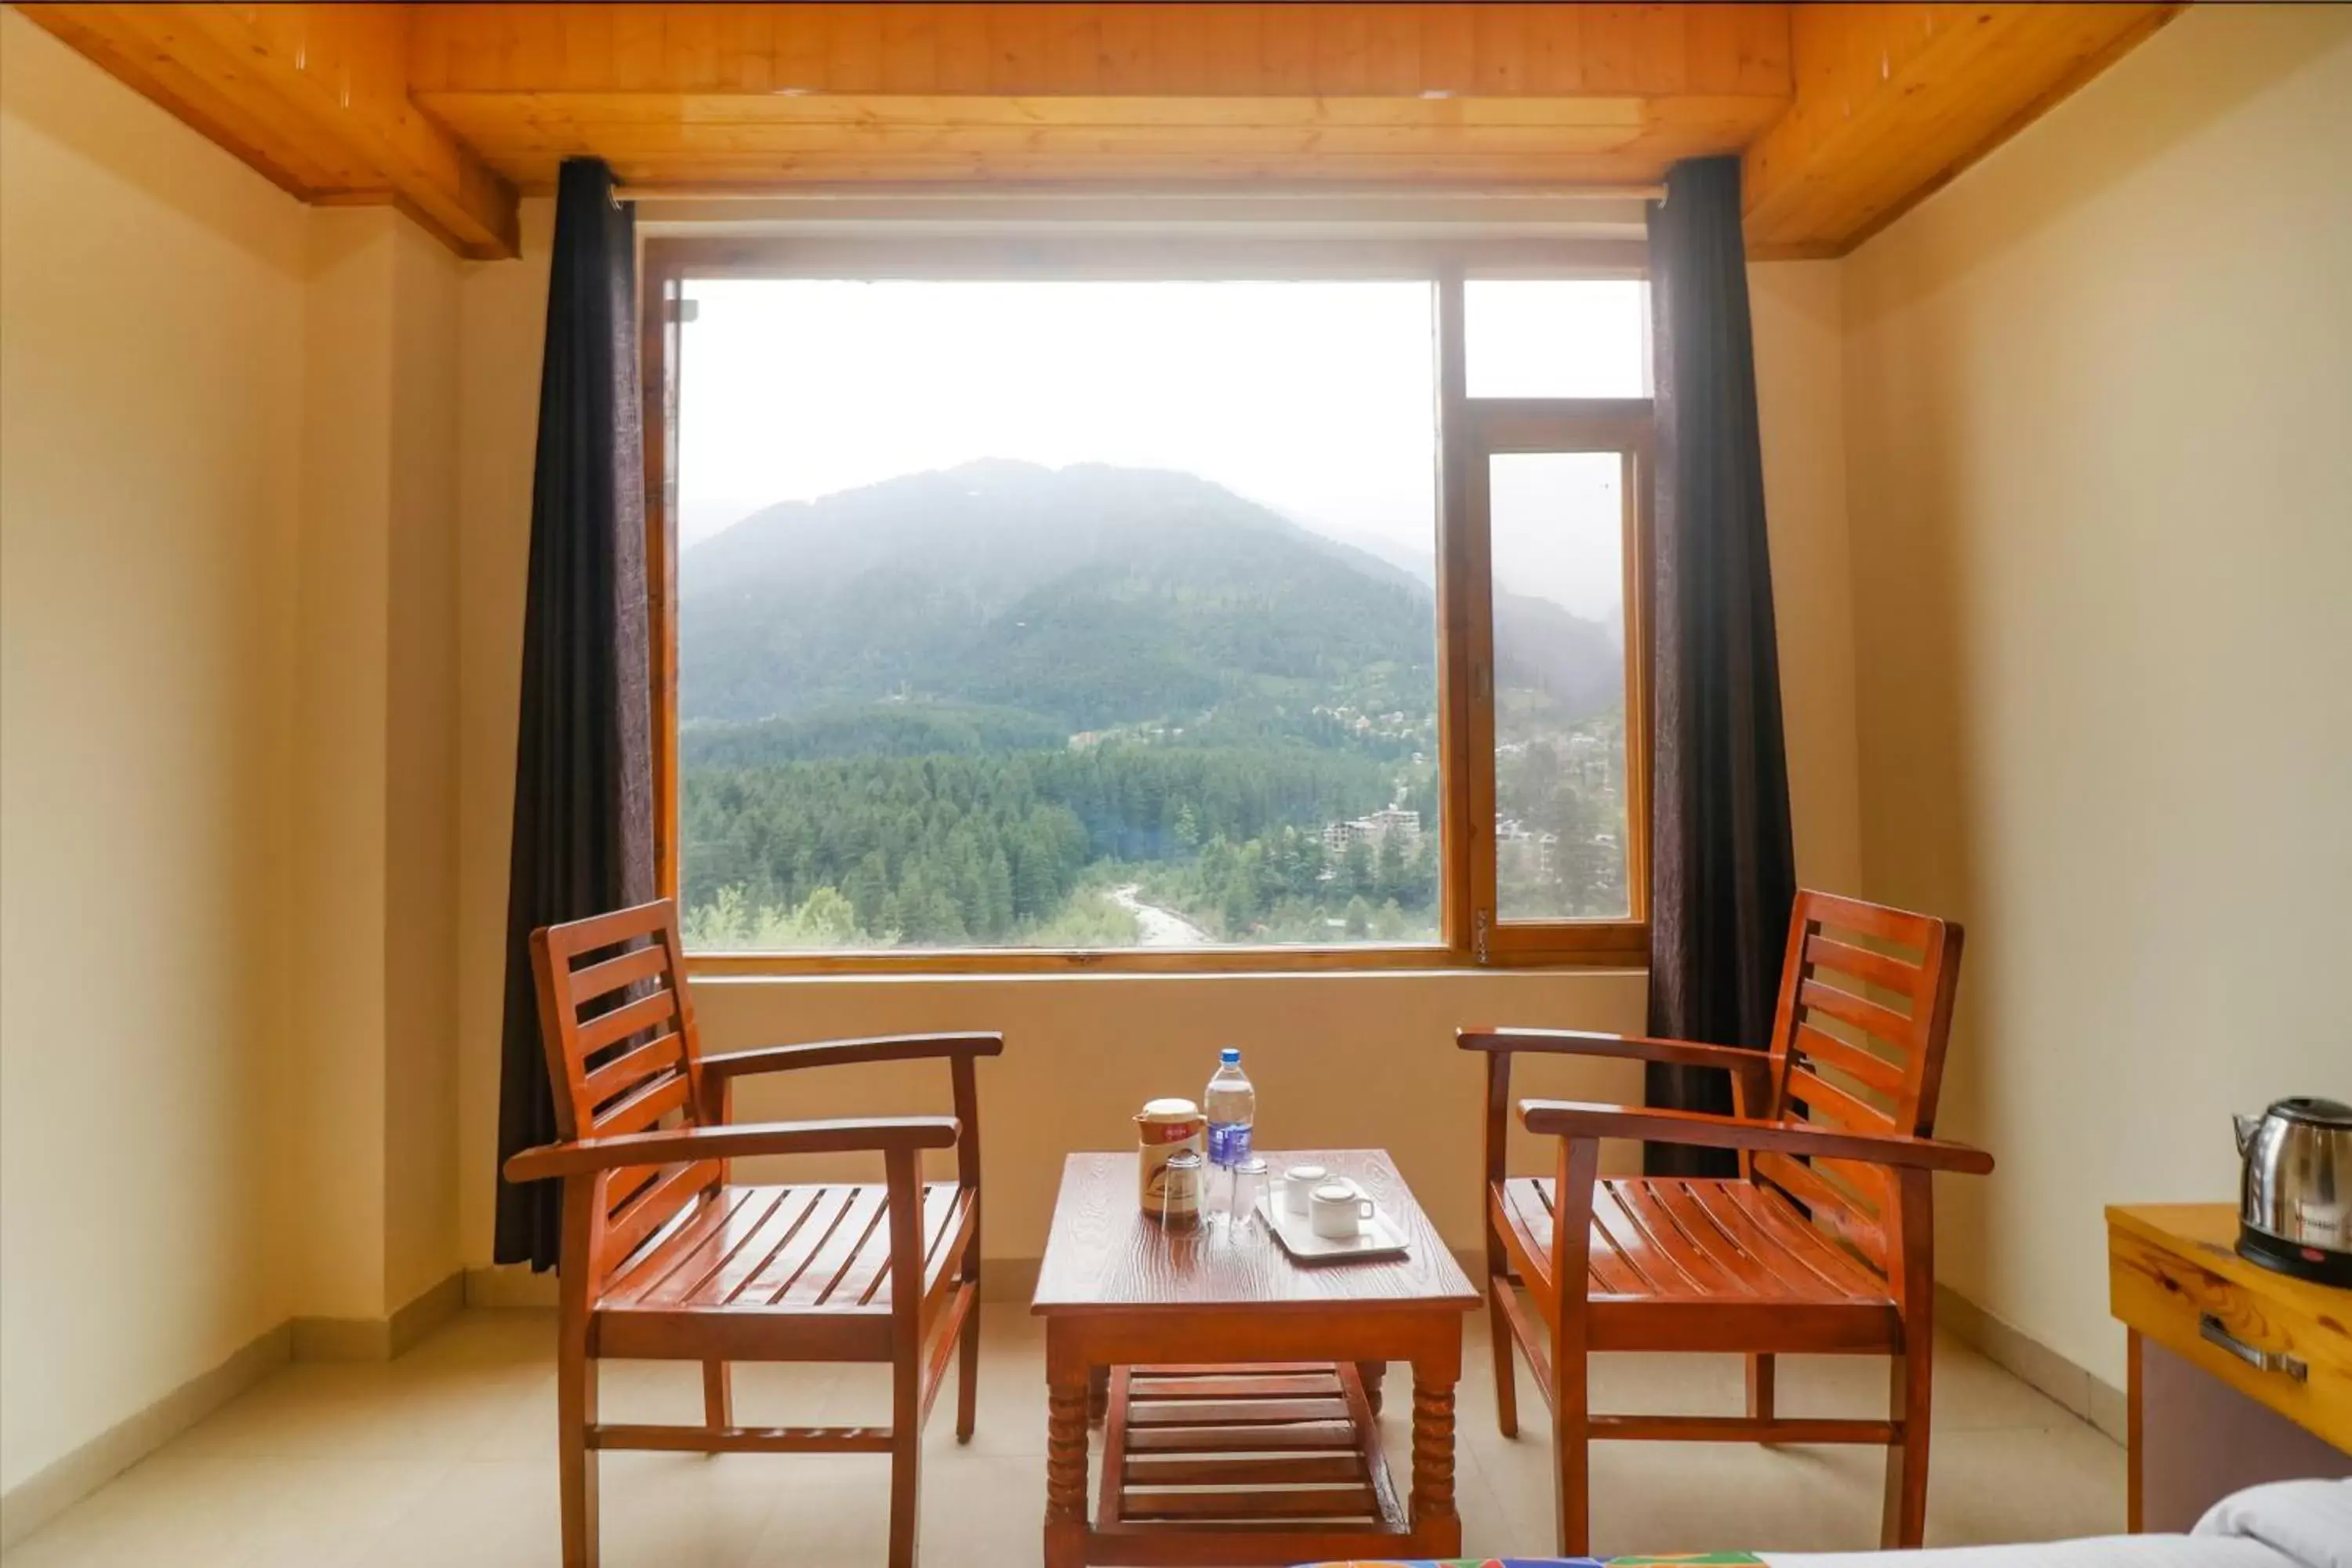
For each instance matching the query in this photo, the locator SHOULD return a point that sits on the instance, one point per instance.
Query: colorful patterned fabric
(1709, 1559)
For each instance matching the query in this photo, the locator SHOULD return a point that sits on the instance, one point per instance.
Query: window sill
(1613, 948)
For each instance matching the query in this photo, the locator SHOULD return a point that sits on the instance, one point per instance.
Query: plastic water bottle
(1230, 1106)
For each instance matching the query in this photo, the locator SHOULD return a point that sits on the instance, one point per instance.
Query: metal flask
(2295, 1196)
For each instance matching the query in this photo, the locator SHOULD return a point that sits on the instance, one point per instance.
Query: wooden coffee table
(1239, 1428)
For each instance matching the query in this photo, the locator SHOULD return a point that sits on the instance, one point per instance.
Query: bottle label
(1229, 1142)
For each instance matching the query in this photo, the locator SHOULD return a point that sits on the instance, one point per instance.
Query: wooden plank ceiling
(1846, 114)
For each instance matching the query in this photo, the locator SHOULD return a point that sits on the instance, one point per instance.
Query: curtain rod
(657, 191)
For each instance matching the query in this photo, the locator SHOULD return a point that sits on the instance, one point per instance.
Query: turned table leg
(1435, 1525)
(1065, 1474)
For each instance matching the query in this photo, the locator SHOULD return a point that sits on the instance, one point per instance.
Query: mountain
(1003, 599)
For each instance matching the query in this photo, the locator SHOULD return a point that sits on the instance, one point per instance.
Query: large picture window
(1118, 609)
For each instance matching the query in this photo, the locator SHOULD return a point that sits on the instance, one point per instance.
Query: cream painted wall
(151, 372)
(375, 1067)
(2098, 395)
(336, 1064)
(229, 804)
(420, 953)
(502, 321)
(1357, 1058)
(1797, 310)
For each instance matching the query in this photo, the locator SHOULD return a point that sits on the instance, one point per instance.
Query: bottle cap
(1230, 1055)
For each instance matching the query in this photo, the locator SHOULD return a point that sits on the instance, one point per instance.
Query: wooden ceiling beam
(1846, 114)
(1119, 50)
(771, 138)
(313, 96)
(1179, 94)
(1893, 100)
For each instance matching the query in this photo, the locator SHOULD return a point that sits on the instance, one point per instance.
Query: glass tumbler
(1248, 1187)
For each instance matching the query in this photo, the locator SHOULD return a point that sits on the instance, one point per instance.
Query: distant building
(1522, 853)
(1374, 830)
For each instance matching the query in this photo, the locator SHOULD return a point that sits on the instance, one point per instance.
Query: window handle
(2209, 1329)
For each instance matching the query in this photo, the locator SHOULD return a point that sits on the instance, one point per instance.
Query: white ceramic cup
(1298, 1183)
(1338, 1210)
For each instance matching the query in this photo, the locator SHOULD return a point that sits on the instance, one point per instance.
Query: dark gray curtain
(1722, 872)
(583, 782)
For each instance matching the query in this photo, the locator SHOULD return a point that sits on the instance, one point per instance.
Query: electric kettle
(2294, 1197)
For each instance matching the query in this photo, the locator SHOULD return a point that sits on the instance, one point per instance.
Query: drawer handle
(2210, 1328)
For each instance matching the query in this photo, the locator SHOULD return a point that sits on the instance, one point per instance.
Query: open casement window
(1048, 604)
(1548, 447)
(1556, 785)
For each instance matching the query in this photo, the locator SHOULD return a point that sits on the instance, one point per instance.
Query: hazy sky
(1314, 398)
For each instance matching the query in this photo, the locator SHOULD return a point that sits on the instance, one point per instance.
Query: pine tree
(1389, 875)
(1033, 891)
(868, 888)
(996, 897)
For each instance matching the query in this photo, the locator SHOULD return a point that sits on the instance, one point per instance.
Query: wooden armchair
(1824, 1243)
(663, 1258)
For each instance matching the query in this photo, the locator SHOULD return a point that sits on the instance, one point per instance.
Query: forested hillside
(1091, 596)
(1000, 703)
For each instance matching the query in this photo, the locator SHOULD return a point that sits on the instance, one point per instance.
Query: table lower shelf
(1259, 1463)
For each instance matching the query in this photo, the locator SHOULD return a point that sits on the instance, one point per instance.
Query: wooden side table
(1239, 1430)
(2237, 1374)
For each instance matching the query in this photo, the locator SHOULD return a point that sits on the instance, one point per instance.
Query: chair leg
(1760, 1368)
(717, 1394)
(968, 1370)
(575, 1461)
(1498, 1329)
(1904, 1519)
(906, 1459)
(1506, 1384)
(1571, 1437)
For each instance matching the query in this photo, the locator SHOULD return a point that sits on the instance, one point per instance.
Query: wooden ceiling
(1846, 113)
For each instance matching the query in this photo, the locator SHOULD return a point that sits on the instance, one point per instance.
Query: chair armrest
(1570, 1119)
(676, 1145)
(1592, 1043)
(839, 1053)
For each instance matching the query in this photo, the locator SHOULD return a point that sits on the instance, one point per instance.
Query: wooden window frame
(1468, 431)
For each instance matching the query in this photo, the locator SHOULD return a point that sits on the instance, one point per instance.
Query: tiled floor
(444, 1459)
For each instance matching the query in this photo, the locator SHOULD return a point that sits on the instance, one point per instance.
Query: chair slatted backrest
(1858, 1044)
(622, 1056)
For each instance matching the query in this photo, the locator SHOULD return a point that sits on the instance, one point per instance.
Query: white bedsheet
(2310, 1522)
(2289, 1524)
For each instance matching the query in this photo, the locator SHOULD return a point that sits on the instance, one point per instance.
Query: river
(1158, 927)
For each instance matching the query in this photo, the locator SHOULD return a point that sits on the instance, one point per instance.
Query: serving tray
(1377, 1238)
